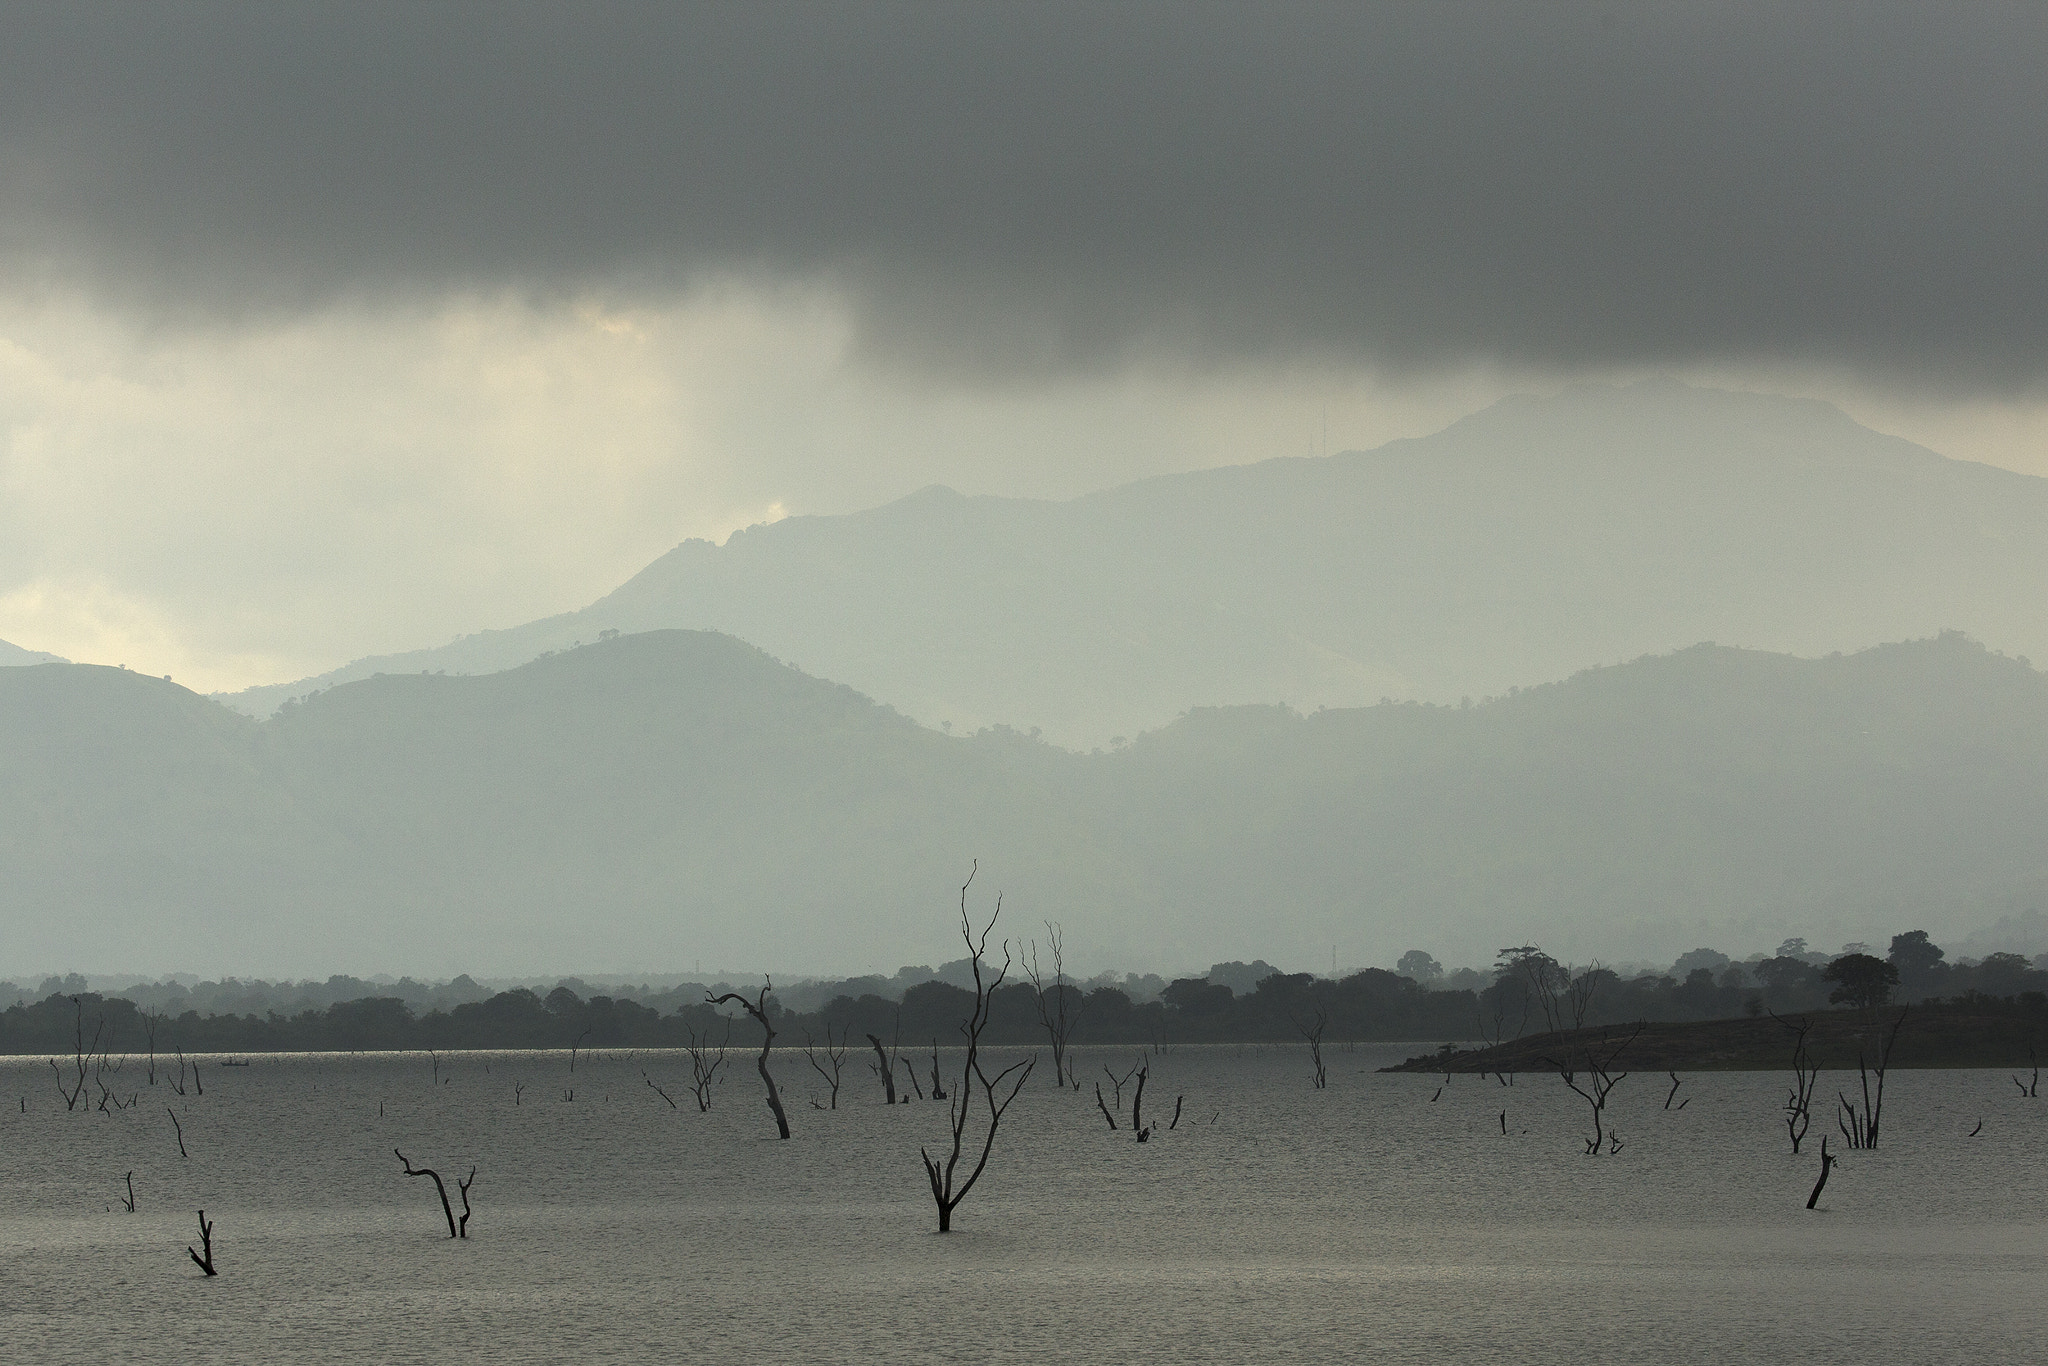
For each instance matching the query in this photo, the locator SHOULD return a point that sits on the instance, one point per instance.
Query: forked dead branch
(1594, 1080)
(884, 1066)
(758, 1008)
(1860, 1129)
(705, 1060)
(948, 1183)
(203, 1262)
(1311, 1027)
(454, 1230)
(828, 1068)
(1059, 1005)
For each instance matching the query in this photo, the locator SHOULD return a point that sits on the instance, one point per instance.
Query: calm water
(1360, 1223)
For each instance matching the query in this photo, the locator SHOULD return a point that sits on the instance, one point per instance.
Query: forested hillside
(653, 801)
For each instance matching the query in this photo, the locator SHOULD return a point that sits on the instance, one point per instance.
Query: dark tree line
(1530, 993)
(1370, 1004)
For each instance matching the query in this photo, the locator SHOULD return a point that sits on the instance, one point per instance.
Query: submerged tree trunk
(1827, 1164)
(204, 1263)
(446, 1209)
(1053, 1013)
(886, 1070)
(759, 1010)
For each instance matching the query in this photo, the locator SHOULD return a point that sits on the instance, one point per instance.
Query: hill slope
(1523, 543)
(11, 655)
(655, 800)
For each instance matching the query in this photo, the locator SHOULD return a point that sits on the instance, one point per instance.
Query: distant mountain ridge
(1522, 543)
(654, 799)
(14, 655)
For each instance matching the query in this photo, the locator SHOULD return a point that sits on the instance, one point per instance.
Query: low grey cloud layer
(1024, 190)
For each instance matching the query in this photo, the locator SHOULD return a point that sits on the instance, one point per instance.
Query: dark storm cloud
(1056, 185)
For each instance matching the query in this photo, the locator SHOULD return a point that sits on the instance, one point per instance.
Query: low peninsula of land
(1993, 1033)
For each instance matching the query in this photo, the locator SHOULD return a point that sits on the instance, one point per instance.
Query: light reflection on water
(1364, 1222)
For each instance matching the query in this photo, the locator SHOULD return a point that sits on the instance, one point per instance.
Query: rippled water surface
(1365, 1222)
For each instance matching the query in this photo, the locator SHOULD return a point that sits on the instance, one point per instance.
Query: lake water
(1364, 1222)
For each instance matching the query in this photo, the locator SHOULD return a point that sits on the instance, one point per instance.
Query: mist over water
(1277, 1222)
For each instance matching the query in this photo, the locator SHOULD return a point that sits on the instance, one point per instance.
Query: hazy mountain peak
(1520, 544)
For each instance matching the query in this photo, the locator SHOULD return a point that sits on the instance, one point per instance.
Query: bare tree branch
(949, 1188)
(759, 1010)
(446, 1209)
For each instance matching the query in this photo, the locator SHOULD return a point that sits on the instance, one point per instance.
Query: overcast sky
(335, 329)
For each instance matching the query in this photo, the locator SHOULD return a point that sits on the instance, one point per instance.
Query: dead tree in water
(1600, 1081)
(1104, 1108)
(705, 1060)
(884, 1066)
(180, 1130)
(1799, 1100)
(1673, 1093)
(949, 1188)
(938, 1086)
(1117, 1083)
(1827, 1164)
(835, 1058)
(1861, 1130)
(1053, 1015)
(82, 1054)
(1312, 1029)
(442, 1188)
(759, 1010)
(204, 1263)
(2030, 1089)
(658, 1091)
(150, 1020)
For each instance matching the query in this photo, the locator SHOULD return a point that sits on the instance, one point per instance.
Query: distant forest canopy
(1526, 992)
(679, 796)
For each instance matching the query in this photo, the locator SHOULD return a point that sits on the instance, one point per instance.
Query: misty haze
(1023, 683)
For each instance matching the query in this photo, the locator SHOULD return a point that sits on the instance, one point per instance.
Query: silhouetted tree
(1310, 1025)
(204, 1263)
(835, 1058)
(1419, 967)
(705, 1060)
(1799, 1100)
(1827, 1164)
(1543, 977)
(884, 1066)
(1861, 1129)
(1919, 963)
(1600, 1079)
(1861, 980)
(759, 1010)
(442, 1189)
(1059, 1006)
(1117, 1084)
(948, 1186)
(81, 1055)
